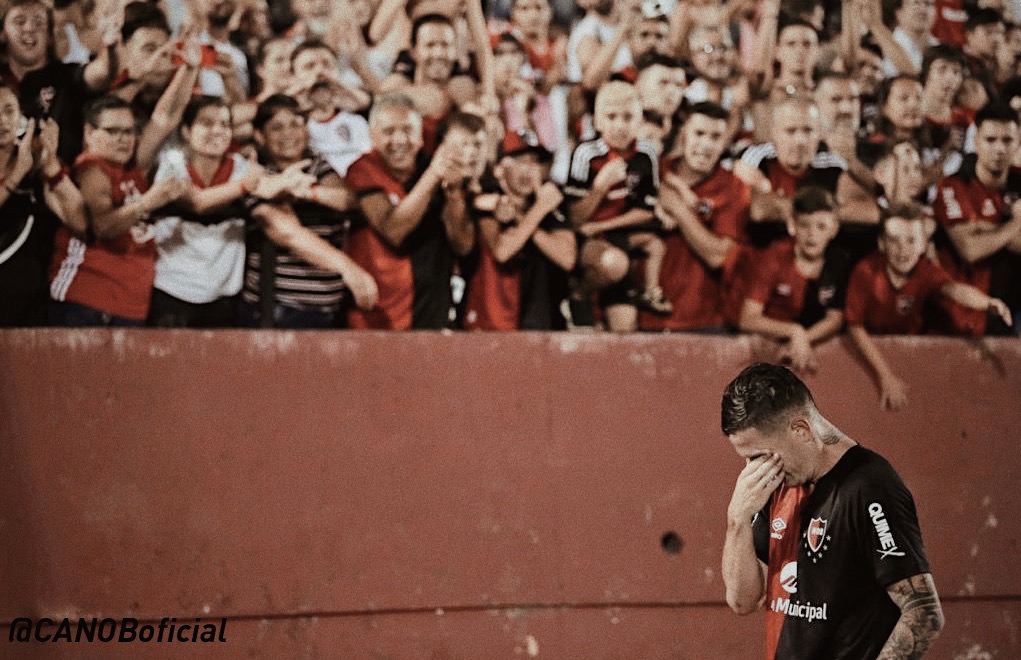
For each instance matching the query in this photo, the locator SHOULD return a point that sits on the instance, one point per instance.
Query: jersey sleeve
(581, 175)
(933, 276)
(887, 527)
(363, 178)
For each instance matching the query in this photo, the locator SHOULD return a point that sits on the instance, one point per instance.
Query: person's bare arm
(508, 242)
(855, 203)
(872, 15)
(921, 618)
(559, 246)
(395, 223)
(974, 244)
(64, 199)
(850, 34)
(761, 76)
(972, 298)
(893, 392)
(110, 222)
(100, 72)
(483, 50)
(283, 228)
(611, 174)
(768, 206)
(744, 576)
(597, 63)
(826, 327)
(330, 192)
(457, 224)
(631, 218)
(708, 246)
(166, 117)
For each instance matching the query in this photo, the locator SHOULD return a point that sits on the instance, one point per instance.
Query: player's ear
(801, 428)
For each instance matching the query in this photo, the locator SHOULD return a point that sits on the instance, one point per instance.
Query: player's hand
(755, 484)
(612, 173)
(23, 158)
(1000, 309)
(893, 395)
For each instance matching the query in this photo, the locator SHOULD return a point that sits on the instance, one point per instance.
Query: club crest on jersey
(777, 527)
(905, 304)
(783, 289)
(816, 533)
(826, 294)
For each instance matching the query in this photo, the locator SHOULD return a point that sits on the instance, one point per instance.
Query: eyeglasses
(117, 131)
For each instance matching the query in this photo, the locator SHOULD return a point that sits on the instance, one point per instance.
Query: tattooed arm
(921, 618)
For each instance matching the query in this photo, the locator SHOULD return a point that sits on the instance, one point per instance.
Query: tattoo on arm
(921, 618)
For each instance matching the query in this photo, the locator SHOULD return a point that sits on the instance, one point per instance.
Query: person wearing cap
(517, 274)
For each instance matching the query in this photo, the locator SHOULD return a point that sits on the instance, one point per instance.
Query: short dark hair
(197, 105)
(709, 109)
(794, 22)
(996, 111)
(271, 106)
(109, 102)
(944, 52)
(904, 210)
(980, 17)
(426, 19)
(813, 199)
(310, 44)
(759, 396)
(653, 58)
(141, 15)
(887, 86)
(465, 121)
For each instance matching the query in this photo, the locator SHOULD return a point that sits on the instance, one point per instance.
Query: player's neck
(834, 445)
(206, 166)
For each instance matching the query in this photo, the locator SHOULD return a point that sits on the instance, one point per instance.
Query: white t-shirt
(340, 140)
(913, 52)
(198, 263)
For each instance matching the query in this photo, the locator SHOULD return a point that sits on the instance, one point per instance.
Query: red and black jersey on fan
(414, 278)
(873, 302)
(696, 291)
(637, 191)
(824, 172)
(787, 295)
(524, 293)
(832, 550)
(961, 199)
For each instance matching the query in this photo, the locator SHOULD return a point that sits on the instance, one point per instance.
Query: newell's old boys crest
(816, 533)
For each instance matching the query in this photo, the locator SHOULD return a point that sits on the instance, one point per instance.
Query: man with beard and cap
(708, 207)
(47, 87)
(432, 78)
(415, 220)
(979, 209)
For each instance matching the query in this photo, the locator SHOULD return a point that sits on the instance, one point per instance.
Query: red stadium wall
(345, 495)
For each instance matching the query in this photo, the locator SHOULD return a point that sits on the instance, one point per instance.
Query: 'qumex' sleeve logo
(887, 546)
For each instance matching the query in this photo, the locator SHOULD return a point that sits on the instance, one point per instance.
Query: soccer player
(820, 530)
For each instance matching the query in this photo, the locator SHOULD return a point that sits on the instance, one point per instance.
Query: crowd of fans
(785, 168)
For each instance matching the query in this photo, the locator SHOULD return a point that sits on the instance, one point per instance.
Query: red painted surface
(331, 491)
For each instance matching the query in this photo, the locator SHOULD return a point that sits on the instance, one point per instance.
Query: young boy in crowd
(525, 244)
(796, 289)
(888, 291)
(612, 191)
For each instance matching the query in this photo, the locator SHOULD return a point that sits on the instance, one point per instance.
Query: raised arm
(744, 576)
(871, 12)
(597, 61)
(762, 75)
(62, 196)
(100, 72)
(921, 618)
(167, 115)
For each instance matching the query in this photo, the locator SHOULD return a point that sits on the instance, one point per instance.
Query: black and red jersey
(522, 293)
(786, 294)
(56, 91)
(696, 291)
(637, 191)
(413, 278)
(824, 172)
(832, 550)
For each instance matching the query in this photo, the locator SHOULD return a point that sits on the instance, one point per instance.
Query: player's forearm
(283, 228)
(966, 295)
(460, 229)
(711, 248)
(892, 50)
(921, 618)
(742, 572)
(769, 206)
(403, 218)
(580, 211)
(753, 320)
(627, 219)
(974, 246)
(870, 352)
(559, 247)
(510, 241)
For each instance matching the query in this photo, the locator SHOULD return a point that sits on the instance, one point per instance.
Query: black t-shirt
(858, 534)
(57, 90)
(27, 228)
(830, 290)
